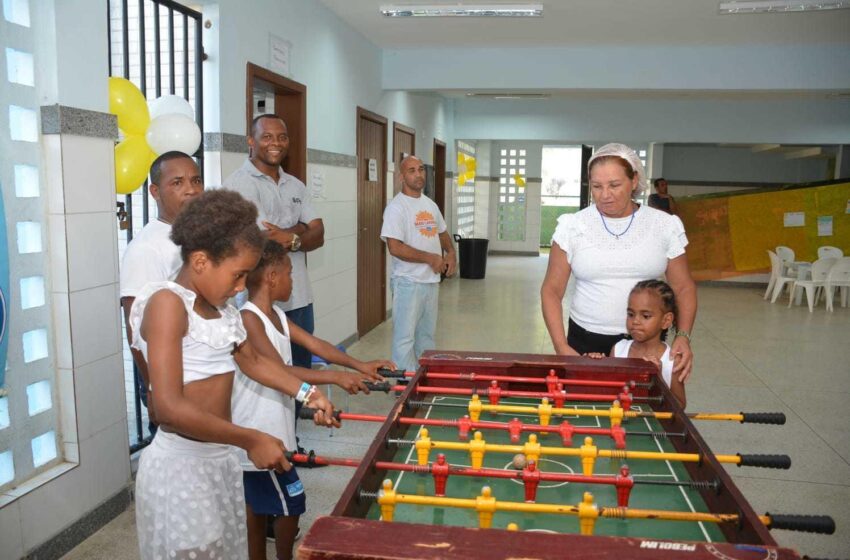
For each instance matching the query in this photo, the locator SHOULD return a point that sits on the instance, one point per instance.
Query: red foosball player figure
(531, 480)
(440, 472)
(559, 396)
(625, 398)
(494, 393)
(566, 430)
(515, 429)
(624, 485)
(551, 381)
(464, 425)
(619, 435)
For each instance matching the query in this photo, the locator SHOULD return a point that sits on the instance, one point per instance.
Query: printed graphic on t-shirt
(426, 224)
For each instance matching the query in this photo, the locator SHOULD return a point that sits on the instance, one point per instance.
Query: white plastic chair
(838, 277)
(786, 255)
(829, 252)
(820, 270)
(777, 271)
(772, 280)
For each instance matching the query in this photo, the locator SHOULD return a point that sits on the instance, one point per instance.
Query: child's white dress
(621, 350)
(190, 504)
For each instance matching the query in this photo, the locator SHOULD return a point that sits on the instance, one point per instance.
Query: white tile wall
(63, 351)
(92, 240)
(89, 181)
(10, 532)
(51, 145)
(103, 471)
(100, 382)
(95, 326)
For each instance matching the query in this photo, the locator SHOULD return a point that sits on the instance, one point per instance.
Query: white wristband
(302, 393)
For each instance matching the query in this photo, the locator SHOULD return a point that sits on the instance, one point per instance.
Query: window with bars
(29, 413)
(466, 195)
(156, 44)
(511, 207)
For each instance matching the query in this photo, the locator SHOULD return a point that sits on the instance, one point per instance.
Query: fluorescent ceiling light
(463, 10)
(763, 6)
(508, 95)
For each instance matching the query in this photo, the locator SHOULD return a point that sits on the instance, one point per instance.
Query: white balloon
(173, 133)
(170, 105)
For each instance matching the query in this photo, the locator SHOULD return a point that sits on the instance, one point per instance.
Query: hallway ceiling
(595, 23)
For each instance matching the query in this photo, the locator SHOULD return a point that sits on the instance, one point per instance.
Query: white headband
(625, 153)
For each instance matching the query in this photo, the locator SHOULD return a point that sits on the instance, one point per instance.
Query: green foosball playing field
(643, 496)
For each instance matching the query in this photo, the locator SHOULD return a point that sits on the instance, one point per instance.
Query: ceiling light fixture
(463, 10)
(508, 95)
(765, 6)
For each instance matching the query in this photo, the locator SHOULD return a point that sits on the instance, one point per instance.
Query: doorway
(440, 175)
(270, 93)
(404, 144)
(371, 200)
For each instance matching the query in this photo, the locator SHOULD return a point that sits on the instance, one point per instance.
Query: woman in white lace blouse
(610, 246)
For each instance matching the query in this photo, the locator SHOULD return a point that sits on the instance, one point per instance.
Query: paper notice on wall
(847, 210)
(373, 170)
(317, 184)
(795, 219)
(824, 226)
(279, 55)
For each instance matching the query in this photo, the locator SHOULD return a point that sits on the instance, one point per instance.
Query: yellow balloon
(133, 159)
(129, 105)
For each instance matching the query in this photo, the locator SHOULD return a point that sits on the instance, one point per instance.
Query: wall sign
(279, 55)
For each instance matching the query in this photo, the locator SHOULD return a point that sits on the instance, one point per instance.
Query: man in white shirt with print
(152, 256)
(421, 248)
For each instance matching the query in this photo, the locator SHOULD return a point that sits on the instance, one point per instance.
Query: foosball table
(495, 455)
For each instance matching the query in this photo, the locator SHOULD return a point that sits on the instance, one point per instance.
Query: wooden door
(290, 104)
(404, 144)
(371, 200)
(440, 175)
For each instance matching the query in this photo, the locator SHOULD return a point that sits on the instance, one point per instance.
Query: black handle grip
(391, 374)
(763, 418)
(766, 461)
(384, 386)
(822, 524)
(308, 413)
(457, 237)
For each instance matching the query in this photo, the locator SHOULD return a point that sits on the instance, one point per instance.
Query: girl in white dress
(189, 497)
(650, 314)
(281, 496)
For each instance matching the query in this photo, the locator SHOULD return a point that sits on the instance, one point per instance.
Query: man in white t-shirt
(421, 249)
(152, 256)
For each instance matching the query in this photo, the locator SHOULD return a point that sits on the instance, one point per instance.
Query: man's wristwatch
(680, 332)
(295, 244)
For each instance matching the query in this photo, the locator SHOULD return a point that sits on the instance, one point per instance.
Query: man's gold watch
(295, 244)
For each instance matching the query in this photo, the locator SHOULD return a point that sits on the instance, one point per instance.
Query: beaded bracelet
(310, 394)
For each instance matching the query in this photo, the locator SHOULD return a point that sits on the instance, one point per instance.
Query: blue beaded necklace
(622, 233)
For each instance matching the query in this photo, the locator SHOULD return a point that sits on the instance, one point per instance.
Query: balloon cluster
(166, 125)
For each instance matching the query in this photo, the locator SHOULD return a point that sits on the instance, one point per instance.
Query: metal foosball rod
(550, 379)
(616, 412)
(494, 393)
(588, 512)
(529, 474)
(588, 453)
(514, 427)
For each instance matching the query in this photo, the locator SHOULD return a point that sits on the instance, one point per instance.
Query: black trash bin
(473, 257)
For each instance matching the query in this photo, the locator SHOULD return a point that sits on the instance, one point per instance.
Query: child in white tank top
(269, 494)
(651, 312)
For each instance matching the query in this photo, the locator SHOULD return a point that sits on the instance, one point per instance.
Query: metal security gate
(156, 44)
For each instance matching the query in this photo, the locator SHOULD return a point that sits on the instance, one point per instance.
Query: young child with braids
(650, 314)
(189, 498)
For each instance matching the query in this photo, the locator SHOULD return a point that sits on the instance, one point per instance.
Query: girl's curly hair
(217, 222)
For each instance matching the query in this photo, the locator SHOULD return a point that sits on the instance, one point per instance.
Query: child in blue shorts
(270, 493)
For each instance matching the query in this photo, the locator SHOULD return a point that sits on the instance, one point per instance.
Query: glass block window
(512, 196)
(29, 409)
(465, 195)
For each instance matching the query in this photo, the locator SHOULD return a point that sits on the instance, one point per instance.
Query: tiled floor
(751, 355)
